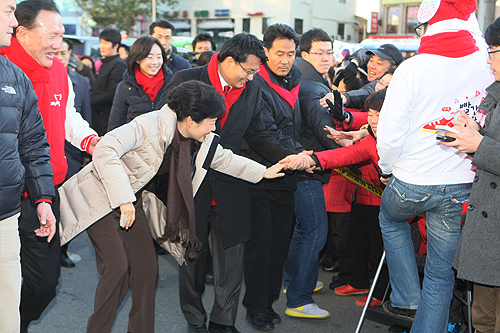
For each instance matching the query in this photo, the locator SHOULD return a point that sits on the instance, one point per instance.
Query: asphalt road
(70, 310)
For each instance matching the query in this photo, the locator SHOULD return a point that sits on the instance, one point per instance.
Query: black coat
(131, 100)
(81, 87)
(24, 151)
(231, 194)
(283, 122)
(313, 87)
(177, 63)
(103, 91)
(355, 99)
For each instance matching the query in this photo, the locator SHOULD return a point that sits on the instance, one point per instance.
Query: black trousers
(265, 254)
(228, 275)
(366, 246)
(39, 261)
(340, 229)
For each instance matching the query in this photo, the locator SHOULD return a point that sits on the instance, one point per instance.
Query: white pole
(153, 14)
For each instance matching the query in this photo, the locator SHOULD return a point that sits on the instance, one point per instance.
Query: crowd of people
(247, 149)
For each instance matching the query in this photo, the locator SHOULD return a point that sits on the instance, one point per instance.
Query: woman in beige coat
(125, 161)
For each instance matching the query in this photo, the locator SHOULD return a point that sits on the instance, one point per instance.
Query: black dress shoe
(260, 321)
(275, 318)
(329, 265)
(66, 261)
(217, 328)
(197, 329)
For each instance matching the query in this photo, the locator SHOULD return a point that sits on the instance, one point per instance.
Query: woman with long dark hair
(143, 83)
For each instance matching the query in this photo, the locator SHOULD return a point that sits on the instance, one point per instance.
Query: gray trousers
(228, 274)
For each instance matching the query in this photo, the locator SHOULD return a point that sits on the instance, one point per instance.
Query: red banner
(374, 23)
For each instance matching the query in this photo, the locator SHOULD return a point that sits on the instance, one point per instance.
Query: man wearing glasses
(224, 201)
(311, 230)
(427, 92)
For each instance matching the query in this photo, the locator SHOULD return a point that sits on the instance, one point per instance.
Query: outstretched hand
(93, 143)
(274, 171)
(302, 161)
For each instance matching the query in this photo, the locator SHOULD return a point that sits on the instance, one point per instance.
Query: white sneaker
(311, 311)
(319, 286)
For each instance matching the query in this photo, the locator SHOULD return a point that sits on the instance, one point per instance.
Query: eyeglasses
(418, 28)
(248, 72)
(329, 54)
(491, 52)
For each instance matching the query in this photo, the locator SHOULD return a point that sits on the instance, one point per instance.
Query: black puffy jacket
(24, 151)
(131, 100)
(313, 86)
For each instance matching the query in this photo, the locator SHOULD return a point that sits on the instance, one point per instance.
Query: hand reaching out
(274, 171)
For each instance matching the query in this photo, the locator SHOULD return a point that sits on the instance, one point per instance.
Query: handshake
(301, 161)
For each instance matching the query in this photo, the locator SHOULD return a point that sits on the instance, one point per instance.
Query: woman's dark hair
(492, 34)
(375, 100)
(27, 12)
(140, 50)
(241, 46)
(91, 60)
(389, 71)
(204, 58)
(196, 100)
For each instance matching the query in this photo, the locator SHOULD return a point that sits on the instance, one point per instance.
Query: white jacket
(424, 89)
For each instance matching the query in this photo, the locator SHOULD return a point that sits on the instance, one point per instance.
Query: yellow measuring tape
(347, 173)
(360, 181)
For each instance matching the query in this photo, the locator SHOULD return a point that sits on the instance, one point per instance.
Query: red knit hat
(450, 9)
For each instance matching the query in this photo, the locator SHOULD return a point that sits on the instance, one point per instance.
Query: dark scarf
(180, 224)
(449, 44)
(150, 85)
(234, 93)
(288, 95)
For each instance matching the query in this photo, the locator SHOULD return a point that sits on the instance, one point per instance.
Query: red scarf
(234, 93)
(289, 96)
(51, 88)
(449, 44)
(150, 85)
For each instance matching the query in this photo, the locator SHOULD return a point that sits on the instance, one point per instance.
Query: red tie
(226, 89)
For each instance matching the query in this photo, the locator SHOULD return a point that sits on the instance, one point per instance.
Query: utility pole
(485, 13)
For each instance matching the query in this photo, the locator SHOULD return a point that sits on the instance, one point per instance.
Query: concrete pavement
(74, 303)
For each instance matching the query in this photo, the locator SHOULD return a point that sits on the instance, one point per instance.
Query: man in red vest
(33, 48)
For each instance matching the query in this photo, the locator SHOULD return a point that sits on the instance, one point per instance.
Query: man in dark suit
(163, 31)
(224, 201)
(106, 81)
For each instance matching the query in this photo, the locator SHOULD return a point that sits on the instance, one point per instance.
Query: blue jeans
(443, 206)
(309, 238)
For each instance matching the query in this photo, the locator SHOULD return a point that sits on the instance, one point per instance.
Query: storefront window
(393, 20)
(411, 19)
